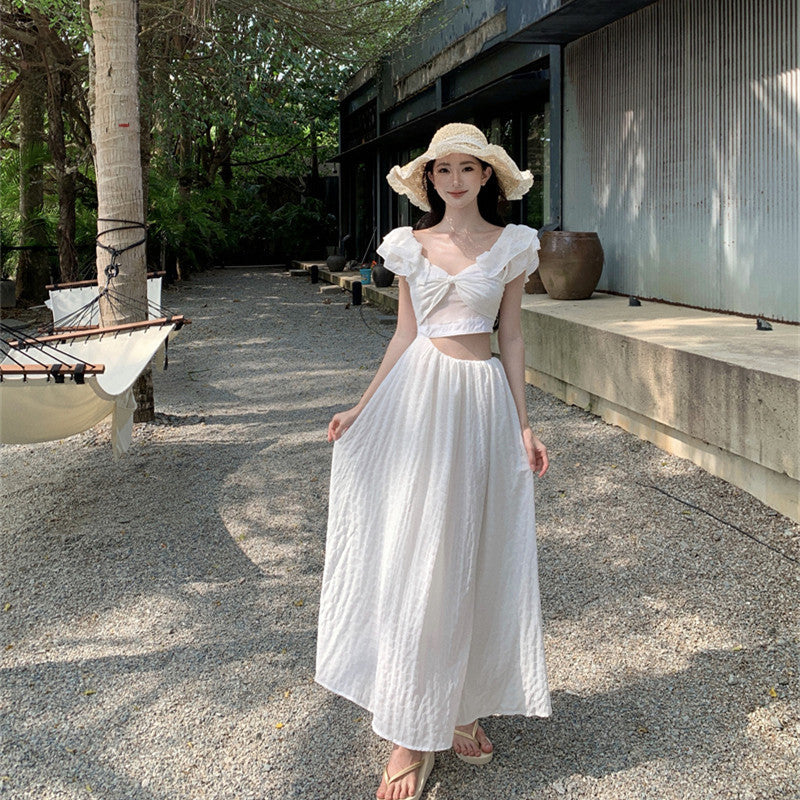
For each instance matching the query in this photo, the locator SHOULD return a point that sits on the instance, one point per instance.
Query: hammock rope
(122, 304)
(112, 270)
(48, 359)
(76, 336)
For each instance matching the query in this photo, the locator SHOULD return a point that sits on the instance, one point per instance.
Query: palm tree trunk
(117, 158)
(118, 167)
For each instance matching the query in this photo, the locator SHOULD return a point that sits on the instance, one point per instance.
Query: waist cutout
(463, 346)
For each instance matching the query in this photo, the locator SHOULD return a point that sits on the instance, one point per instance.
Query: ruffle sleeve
(521, 253)
(400, 251)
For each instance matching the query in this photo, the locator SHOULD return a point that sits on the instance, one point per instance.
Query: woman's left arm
(512, 356)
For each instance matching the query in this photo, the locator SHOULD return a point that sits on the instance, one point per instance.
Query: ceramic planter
(534, 284)
(570, 264)
(381, 276)
(336, 263)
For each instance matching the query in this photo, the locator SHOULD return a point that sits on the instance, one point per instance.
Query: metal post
(556, 132)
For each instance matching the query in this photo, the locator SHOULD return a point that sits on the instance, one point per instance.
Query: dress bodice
(468, 301)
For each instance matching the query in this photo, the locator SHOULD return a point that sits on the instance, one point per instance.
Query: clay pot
(336, 263)
(534, 284)
(570, 264)
(381, 276)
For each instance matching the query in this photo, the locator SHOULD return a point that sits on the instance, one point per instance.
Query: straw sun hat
(458, 137)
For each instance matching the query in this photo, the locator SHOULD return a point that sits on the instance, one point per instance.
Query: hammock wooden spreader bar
(178, 321)
(55, 370)
(55, 385)
(76, 328)
(81, 284)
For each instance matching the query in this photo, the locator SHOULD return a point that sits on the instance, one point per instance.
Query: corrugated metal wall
(682, 150)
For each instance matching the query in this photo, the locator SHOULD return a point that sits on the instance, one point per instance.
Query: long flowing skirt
(429, 614)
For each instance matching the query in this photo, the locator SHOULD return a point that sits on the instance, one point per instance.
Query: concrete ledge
(381, 298)
(703, 386)
(250, 266)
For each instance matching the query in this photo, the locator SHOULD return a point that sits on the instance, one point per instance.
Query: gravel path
(158, 614)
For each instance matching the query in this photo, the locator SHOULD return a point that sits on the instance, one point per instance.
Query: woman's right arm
(405, 333)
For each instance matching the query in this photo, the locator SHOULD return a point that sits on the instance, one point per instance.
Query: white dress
(429, 613)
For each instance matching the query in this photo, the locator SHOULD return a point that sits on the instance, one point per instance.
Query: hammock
(55, 386)
(74, 373)
(78, 301)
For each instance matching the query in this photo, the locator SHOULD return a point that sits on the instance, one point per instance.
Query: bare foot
(466, 747)
(407, 785)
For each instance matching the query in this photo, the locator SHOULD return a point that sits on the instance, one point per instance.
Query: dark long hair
(490, 200)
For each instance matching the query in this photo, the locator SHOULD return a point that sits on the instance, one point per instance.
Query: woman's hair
(489, 199)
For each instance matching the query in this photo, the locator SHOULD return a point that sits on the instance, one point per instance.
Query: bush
(224, 226)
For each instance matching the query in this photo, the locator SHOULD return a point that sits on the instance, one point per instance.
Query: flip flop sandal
(483, 758)
(424, 765)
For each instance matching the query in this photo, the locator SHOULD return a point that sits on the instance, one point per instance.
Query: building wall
(451, 32)
(682, 150)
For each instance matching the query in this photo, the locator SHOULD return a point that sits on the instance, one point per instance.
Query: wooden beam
(49, 369)
(75, 328)
(81, 284)
(178, 320)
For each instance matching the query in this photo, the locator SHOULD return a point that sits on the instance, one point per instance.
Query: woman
(429, 614)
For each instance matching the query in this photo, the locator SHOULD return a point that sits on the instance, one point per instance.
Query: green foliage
(240, 103)
(302, 230)
(190, 227)
(251, 100)
(188, 224)
(9, 210)
(85, 217)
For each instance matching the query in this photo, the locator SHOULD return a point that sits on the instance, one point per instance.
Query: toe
(404, 789)
(483, 739)
(465, 746)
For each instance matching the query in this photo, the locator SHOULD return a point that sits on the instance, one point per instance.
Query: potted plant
(366, 273)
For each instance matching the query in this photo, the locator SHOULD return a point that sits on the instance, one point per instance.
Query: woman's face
(458, 178)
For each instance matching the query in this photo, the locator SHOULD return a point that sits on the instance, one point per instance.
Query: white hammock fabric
(38, 410)
(65, 302)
